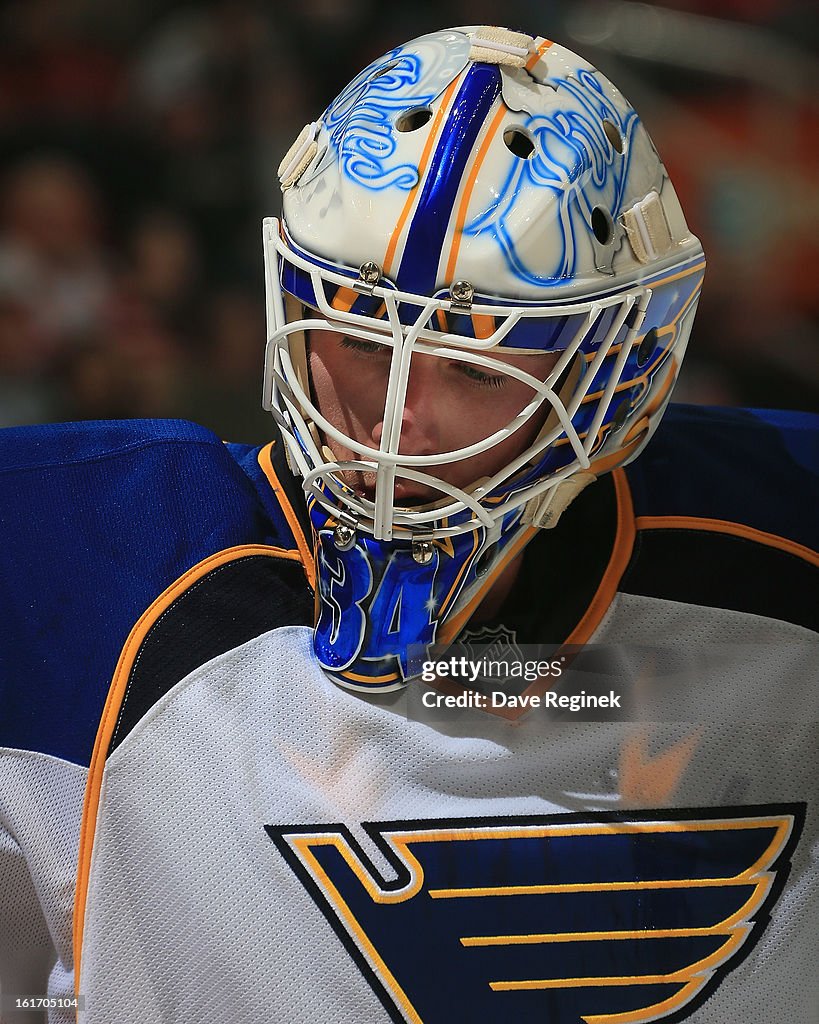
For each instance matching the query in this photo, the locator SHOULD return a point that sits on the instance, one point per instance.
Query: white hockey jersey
(248, 842)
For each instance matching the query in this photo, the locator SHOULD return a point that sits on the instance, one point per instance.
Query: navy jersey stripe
(722, 570)
(231, 605)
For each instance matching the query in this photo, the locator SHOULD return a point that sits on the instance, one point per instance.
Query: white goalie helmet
(474, 195)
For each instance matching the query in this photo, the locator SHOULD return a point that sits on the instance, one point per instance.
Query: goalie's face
(449, 405)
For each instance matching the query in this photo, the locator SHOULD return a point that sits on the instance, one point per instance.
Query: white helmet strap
(544, 510)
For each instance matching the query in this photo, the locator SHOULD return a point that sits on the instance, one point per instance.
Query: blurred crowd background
(139, 142)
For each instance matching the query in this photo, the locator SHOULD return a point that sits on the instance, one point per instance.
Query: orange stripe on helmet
(544, 46)
(483, 325)
(437, 125)
(483, 149)
(343, 300)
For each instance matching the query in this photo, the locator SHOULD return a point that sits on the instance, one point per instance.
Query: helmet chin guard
(472, 196)
(415, 594)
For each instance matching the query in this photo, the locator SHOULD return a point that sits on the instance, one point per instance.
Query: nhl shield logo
(494, 643)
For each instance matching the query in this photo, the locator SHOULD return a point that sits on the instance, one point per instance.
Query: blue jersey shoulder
(96, 520)
(757, 468)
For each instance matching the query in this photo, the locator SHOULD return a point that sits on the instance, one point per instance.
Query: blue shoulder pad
(96, 520)
(756, 468)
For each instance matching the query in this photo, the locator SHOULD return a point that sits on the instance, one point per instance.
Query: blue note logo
(622, 919)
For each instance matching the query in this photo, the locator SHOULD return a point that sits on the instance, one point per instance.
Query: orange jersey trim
(374, 680)
(304, 548)
(113, 704)
(770, 540)
(618, 562)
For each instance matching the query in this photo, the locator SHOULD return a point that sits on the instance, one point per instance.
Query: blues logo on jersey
(614, 920)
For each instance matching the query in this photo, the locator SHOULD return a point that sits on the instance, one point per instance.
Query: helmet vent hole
(602, 225)
(647, 346)
(412, 120)
(386, 69)
(519, 142)
(613, 135)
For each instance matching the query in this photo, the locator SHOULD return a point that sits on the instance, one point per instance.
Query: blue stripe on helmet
(419, 264)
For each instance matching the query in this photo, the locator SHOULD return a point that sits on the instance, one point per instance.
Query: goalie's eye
(480, 378)
(369, 348)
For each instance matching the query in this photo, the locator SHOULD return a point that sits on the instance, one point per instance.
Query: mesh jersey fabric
(194, 913)
(41, 801)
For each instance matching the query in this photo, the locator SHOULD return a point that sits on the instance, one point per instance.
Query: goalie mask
(480, 213)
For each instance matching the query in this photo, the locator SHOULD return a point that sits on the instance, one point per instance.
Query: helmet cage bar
(365, 508)
(510, 312)
(285, 379)
(358, 511)
(320, 468)
(294, 410)
(389, 464)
